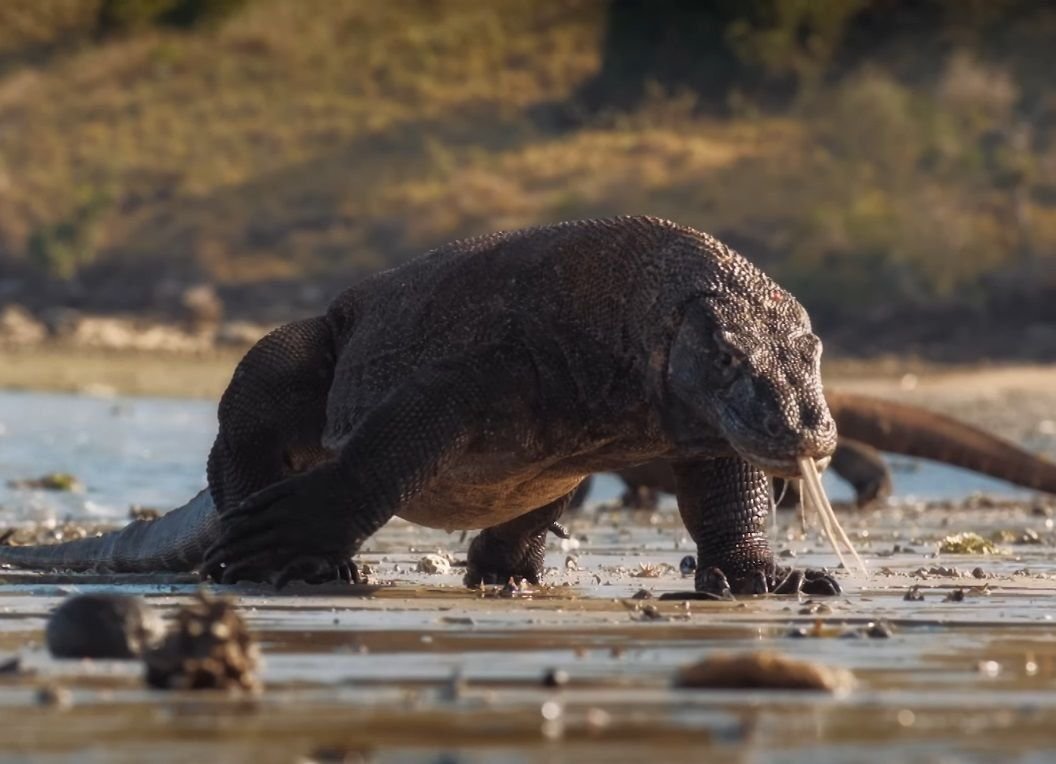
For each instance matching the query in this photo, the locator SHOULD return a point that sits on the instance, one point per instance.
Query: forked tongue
(813, 497)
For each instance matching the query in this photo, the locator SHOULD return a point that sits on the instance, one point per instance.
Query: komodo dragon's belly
(464, 500)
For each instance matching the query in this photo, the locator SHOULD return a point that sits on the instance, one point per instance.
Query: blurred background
(893, 162)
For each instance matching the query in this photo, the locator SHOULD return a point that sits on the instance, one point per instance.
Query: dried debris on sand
(966, 543)
(763, 670)
(53, 481)
(209, 647)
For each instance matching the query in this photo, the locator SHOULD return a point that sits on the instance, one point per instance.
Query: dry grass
(73, 370)
(329, 136)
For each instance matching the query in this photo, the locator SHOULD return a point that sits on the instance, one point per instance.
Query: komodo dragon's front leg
(307, 526)
(724, 504)
(514, 549)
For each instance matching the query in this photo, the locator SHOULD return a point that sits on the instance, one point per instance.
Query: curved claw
(792, 583)
(311, 570)
(824, 585)
(784, 581)
(754, 583)
(713, 581)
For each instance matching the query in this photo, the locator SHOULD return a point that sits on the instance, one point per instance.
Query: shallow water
(416, 668)
(152, 452)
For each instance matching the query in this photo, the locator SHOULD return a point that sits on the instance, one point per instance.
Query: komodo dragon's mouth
(783, 468)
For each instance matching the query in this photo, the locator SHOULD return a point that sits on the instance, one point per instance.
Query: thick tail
(913, 431)
(175, 542)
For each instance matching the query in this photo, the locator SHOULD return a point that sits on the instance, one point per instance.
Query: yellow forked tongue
(814, 498)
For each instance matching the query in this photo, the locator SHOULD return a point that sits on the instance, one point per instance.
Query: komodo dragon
(866, 426)
(476, 386)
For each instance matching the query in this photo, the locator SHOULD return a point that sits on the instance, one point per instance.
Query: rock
(114, 333)
(19, 327)
(763, 670)
(102, 626)
(434, 564)
(240, 333)
(555, 678)
(209, 648)
(54, 696)
(136, 512)
(201, 306)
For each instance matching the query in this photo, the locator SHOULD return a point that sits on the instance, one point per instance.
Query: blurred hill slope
(316, 140)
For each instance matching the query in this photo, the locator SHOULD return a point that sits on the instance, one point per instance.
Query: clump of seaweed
(209, 647)
(967, 543)
(53, 481)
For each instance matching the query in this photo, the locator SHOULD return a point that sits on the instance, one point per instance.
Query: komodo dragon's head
(744, 365)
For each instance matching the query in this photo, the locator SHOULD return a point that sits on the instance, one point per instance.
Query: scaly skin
(476, 386)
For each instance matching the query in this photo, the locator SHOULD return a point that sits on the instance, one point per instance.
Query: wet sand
(416, 665)
(416, 668)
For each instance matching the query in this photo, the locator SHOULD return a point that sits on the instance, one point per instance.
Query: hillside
(302, 143)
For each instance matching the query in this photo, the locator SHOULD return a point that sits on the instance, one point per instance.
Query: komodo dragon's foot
(270, 537)
(494, 561)
(713, 582)
(311, 570)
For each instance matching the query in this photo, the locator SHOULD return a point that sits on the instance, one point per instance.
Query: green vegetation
(264, 139)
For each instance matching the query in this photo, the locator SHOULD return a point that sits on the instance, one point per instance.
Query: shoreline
(60, 368)
(66, 368)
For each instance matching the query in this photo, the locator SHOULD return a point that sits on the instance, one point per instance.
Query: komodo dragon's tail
(176, 541)
(913, 431)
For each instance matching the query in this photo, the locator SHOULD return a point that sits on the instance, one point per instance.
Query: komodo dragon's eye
(726, 356)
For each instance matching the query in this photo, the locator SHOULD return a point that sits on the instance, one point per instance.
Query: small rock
(687, 565)
(914, 595)
(102, 626)
(19, 327)
(815, 608)
(642, 594)
(54, 696)
(136, 512)
(957, 595)
(763, 670)
(651, 613)
(978, 573)
(555, 678)
(434, 564)
(878, 630)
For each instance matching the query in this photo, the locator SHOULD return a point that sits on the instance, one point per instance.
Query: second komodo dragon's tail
(174, 542)
(913, 431)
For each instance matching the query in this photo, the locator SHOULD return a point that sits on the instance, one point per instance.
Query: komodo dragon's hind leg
(724, 504)
(514, 549)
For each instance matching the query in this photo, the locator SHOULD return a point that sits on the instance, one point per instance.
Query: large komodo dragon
(866, 426)
(476, 386)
